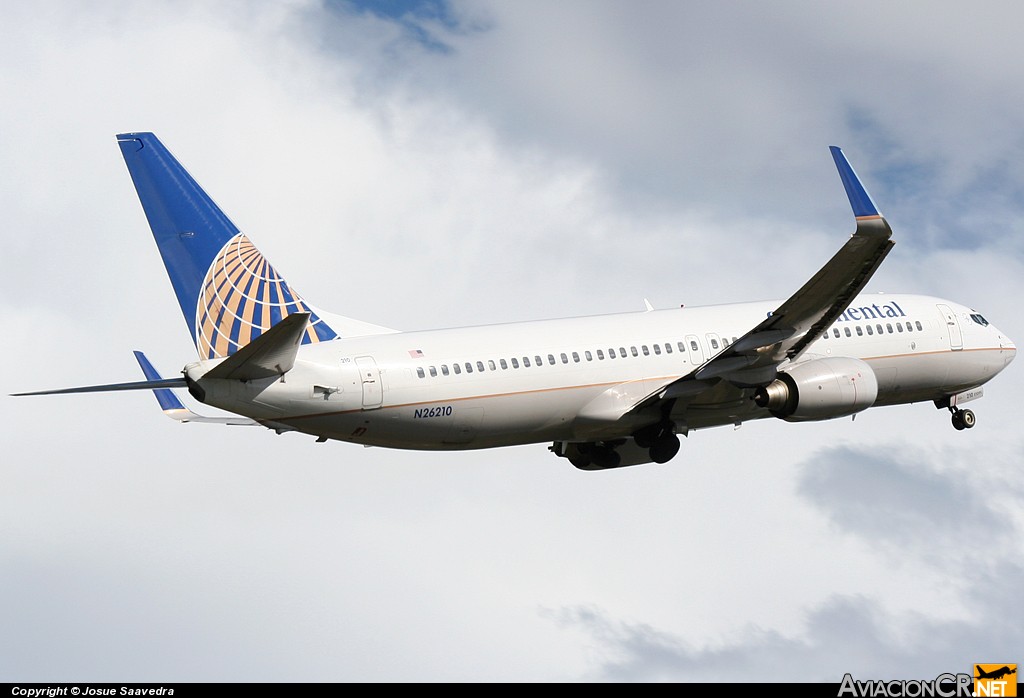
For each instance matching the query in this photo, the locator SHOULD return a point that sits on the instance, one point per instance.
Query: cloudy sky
(446, 163)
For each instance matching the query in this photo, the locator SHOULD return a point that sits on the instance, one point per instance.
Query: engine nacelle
(820, 389)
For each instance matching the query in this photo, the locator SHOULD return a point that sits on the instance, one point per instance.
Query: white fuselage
(564, 380)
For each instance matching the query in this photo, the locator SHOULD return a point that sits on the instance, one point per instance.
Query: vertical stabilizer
(227, 291)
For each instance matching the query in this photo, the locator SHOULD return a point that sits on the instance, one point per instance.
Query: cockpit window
(980, 319)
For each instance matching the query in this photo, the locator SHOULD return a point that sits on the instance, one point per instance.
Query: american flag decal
(416, 353)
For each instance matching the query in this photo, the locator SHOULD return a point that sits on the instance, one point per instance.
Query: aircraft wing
(753, 359)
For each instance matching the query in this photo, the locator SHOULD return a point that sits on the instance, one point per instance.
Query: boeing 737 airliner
(605, 391)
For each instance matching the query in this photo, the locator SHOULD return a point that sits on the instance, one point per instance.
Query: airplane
(995, 674)
(606, 391)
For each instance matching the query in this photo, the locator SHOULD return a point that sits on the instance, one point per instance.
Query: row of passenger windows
(645, 350)
(565, 358)
(872, 329)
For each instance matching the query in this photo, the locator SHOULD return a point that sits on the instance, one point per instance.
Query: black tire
(648, 436)
(665, 449)
(968, 418)
(581, 461)
(605, 457)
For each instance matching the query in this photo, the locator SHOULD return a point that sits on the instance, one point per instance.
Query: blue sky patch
(412, 15)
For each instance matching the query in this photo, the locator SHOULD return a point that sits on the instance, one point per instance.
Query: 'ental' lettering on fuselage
(872, 312)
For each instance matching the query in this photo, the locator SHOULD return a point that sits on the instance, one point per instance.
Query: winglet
(860, 200)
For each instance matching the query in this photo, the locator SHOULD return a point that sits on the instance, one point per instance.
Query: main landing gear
(962, 419)
(660, 440)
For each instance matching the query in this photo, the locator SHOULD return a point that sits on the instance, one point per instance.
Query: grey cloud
(956, 521)
(845, 634)
(895, 497)
(684, 105)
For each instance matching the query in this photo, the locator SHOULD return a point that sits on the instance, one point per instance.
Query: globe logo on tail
(242, 297)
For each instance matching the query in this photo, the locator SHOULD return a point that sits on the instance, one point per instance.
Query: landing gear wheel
(968, 418)
(606, 457)
(665, 448)
(649, 435)
(581, 460)
(963, 419)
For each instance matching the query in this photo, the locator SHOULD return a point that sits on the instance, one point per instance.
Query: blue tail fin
(228, 292)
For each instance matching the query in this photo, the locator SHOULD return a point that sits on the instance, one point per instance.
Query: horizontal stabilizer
(138, 385)
(173, 407)
(167, 399)
(271, 354)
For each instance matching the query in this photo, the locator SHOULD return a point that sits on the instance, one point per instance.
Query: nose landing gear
(962, 419)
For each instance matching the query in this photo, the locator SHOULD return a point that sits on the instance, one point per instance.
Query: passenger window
(551, 359)
(725, 341)
(433, 372)
(503, 364)
(899, 327)
(537, 360)
(600, 355)
(515, 363)
(714, 343)
(564, 358)
(657, 349)
(888, 326)
(575, 357)
(420, 373)
(480, 366)
(590, 357)
(682, 349)
(860, 331)
(634, 352)
(444, 369)
(526, 362)
(490, 363)
(457, 369)
(847, 330)
(622, 352)
(870, 330)
(469, 367)
(879, 328)
(835, 332)
(668, 348)
(693, 345)
(917, 324)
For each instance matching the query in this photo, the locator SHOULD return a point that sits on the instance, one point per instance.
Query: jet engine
(820, 389)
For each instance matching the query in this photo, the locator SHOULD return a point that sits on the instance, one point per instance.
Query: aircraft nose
(1009, 349)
